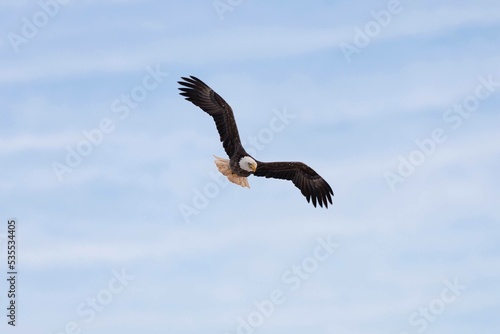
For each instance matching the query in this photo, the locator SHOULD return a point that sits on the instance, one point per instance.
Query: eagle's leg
(223, 167)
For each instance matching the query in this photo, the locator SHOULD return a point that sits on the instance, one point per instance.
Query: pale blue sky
(140, 234)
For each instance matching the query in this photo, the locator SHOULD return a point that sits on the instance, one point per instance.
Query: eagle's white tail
(223, 167)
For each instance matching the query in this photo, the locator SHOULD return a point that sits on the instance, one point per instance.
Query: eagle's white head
(248, 164)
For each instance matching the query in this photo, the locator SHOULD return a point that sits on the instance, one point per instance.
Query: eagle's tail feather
(223, 167)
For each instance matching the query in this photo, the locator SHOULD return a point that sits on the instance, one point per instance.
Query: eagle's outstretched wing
(209, 101)
(304, 177)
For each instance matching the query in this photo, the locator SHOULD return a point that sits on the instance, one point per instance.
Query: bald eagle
(240, 164)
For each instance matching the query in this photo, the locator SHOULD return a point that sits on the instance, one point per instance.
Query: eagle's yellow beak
(253, 167)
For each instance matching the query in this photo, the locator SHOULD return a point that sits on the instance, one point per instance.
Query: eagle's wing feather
(310, 183)
(208, 100)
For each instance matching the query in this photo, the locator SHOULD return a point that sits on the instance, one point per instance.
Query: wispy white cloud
(271, 42)
(30, 142)
(441, 18)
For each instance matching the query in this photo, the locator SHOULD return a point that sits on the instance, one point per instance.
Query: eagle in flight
(240, 164)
